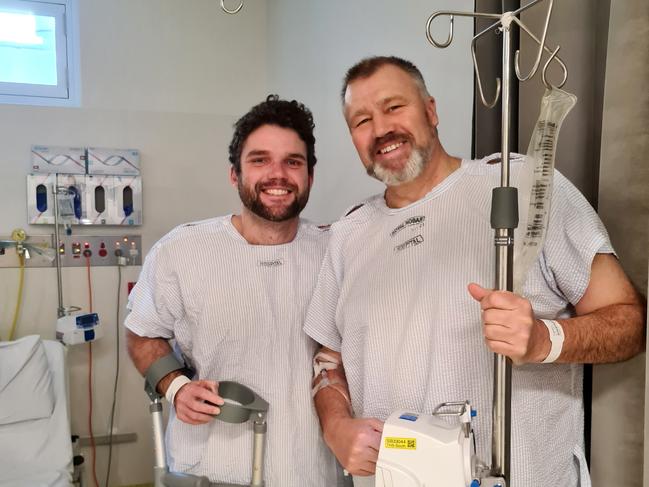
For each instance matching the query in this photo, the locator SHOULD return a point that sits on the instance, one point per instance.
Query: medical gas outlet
(82, 250)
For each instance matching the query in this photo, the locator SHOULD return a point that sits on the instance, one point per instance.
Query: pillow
(26, 391)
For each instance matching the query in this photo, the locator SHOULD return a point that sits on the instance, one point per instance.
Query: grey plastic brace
(157, 370)
(249, 402)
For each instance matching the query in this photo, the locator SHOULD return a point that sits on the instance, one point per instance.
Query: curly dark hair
(287, 114)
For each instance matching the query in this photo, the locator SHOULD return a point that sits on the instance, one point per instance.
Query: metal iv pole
(504, 209)
(61, 311)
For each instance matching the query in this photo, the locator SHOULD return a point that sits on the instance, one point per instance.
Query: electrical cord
(21, 281)
(90, 433)
(112, 410)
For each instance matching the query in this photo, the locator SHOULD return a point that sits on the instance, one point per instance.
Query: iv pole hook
(448, 41)
(452, 14)
(541, 43)
(479, 81)
(552, 57)
(233, 11)
(429, 36)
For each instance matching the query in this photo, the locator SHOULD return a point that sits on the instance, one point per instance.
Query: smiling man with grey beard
(411, 170)
(402, 322)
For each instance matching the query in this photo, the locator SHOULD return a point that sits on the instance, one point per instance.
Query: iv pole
(61, 311)
(504, 210)
(56, 191)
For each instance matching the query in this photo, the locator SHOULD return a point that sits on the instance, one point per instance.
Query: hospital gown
(236, 311)
(392, 298)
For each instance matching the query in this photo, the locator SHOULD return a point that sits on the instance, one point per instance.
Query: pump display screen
(87, 321)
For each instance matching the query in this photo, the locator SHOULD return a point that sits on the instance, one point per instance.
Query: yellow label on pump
(401, 443)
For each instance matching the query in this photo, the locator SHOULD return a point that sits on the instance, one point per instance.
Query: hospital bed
(35, 445)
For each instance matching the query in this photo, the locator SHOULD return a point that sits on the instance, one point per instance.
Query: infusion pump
(423, 450)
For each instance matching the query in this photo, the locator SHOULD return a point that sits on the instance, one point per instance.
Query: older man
(398, 326)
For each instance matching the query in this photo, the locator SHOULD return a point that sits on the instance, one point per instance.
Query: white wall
(313, 43)
(168, 80)
(169, 77)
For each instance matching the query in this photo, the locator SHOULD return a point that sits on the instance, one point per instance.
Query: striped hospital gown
(236, 311)
(392, 297)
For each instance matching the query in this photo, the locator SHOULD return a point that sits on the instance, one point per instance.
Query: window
(39, 52)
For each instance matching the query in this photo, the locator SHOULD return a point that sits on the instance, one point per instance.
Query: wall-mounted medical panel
(85, 200)
(117, 162)
(76, 251)
(72, 201)
(61, 160)
(128, 192)
(124, 198)
(40, 198)
(100, 198)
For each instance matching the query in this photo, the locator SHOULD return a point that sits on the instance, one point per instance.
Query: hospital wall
(315, 42)
(619, 390)
(602, 150)
(165, 79)
(170, 80)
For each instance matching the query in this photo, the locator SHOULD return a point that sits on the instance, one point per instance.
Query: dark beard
(251, 200)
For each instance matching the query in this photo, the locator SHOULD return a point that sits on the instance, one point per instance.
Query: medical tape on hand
(322, 364)
(325, 382)
(324, 361)
(174, 387)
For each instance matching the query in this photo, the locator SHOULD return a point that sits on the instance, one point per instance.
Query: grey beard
(413, 168)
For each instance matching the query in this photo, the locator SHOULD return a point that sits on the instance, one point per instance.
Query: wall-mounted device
(88, 200)
(77, 329)
(118, 162)
(77, 251)
(61, 160)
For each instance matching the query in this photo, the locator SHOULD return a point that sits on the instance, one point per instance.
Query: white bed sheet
(38, 452)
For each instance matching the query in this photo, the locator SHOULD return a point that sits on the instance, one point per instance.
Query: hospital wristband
(556, 340)
(174, 387)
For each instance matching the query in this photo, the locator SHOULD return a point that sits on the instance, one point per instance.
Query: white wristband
(556, 340)
(173, 388)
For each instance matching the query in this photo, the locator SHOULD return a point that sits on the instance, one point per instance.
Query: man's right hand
(197, 401)
(355, 442)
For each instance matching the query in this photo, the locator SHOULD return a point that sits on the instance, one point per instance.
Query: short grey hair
(368, 66)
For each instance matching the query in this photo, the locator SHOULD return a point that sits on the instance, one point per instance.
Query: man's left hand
(509, 326)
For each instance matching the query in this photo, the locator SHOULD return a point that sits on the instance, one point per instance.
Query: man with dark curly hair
(232, 292)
